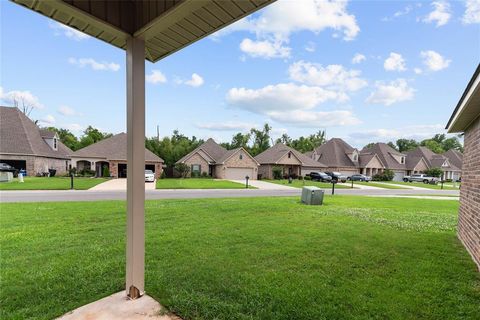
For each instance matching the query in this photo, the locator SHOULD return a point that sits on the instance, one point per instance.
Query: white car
(149, 176)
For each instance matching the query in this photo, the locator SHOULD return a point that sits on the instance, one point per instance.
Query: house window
(289, 155)
(55, 143)
(241, 156)
(355, 157)
(196, 169)
(402, 160)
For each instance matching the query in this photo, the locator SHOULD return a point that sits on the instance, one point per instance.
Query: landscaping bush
(204, 174)
(106, 172)
(300, 178)
(386, 175)
(163, 175)
(195, 174)
(86, 173)
(434, 172)
(277, 173)
(182, 169)
(307, 178)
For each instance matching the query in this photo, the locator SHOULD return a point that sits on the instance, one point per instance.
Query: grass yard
(423, 185)
(53, 183)
(300, 183)
(198, 183)
(378, 185)
(257, 258)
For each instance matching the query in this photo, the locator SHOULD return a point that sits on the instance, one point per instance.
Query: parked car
(420, 178)
(149, 176)
(337, 176)
(359, 177)
(8, 168)
(320, 177)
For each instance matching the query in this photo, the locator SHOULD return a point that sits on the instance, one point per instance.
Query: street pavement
(89, 195)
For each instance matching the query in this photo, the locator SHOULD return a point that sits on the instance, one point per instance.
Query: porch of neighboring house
(371, 171)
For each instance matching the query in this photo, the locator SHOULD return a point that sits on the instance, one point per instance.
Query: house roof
(431, 158)
(412, 161)
(20, 135)
(385, 153)
(215, 151)
(166, 26)
(45, 133)
(334, 153)
(113, 148)
(273, 154)
(455, 157)
(468, 107)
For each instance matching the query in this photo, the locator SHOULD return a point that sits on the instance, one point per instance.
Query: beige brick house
(292, 162)
(466, 118)
(214, 160)
(24, 145)
(112, 153)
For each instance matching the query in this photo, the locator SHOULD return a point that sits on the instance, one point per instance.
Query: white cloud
(67, 111)
(310, 47)
(405, 11)
(282, 18)
(417, 71)
(75, 127)
(20, 97)
(358, 58)
(97, 66)
(394, 62)
(315, 119)
(226, 126)
(292, 104)
(434, 61)
(417, 132)
(440, 15)
(281, 97)
(390, 93)
(472, 12)
(156, 77)
(71, 33)
(195, 81)
(334, 77)
(47, 120)
(265, 48)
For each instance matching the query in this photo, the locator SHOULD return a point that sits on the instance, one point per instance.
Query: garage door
(398, 176)
(238, 173)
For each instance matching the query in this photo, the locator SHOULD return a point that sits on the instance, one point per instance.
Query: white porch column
(135, 167)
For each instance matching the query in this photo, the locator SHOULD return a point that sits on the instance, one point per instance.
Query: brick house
(433, 160)
(24, 145)
(112, 153)
(292, 162)
(466, 119)
(212, 159)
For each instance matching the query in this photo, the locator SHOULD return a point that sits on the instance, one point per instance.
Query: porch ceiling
(166, 25)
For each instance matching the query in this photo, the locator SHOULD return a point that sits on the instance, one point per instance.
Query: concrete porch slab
(118, 184)
(119, 307)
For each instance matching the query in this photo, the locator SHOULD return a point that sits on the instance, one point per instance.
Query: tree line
(173, 148)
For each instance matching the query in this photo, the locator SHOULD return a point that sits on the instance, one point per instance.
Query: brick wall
(40, 164)
(197, 159)
(469, 213)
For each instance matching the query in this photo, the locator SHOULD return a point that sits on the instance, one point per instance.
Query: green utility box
(312, 196)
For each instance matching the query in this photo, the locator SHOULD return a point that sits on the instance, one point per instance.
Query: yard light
(71, 181)
(333, 186)
(246, 182)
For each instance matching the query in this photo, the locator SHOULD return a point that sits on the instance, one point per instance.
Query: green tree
(92, 135)
(66, 137)
(240, 140)
(285, 139)
(433, 145)
(261, 139)
(434, 172)
(404, 145)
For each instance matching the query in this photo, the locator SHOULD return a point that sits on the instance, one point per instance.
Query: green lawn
(301, 183)
(257, 258)
(198, 183)
(378, 185)
(424, 185)
(53, 183)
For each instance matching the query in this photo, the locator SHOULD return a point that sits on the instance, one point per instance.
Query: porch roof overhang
(165, 26)
(468, 108)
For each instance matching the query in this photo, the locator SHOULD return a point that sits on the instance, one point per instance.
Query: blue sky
(363, 70)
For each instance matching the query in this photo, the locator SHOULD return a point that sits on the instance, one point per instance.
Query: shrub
(277, 173)
(300, 178)
(106, 172)
(86, 173)
(204, 174)
(386, 175)
(182, 169)
(307, 178)
(163, 175)
(195, 174)
(434, 172)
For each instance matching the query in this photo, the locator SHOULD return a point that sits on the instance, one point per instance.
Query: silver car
(149, 176)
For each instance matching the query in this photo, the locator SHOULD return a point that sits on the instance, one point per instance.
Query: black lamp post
(246, 182)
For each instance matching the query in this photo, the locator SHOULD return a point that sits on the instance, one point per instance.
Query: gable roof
(113, 148)
(273, 154)
(20, 135)
(385, 153)
(211, 148)
(455, 157)
(333, 153)
(431, 158)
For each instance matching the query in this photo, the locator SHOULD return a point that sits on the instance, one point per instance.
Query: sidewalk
(118, 184)
(265, 185)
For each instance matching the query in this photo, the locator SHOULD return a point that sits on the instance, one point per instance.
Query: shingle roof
(385, 152)
(333, 153)
(113, 148)
(210, 147)
(273, 154)
(432, 159)
(412, 161)
(20, 135)
(455, 157)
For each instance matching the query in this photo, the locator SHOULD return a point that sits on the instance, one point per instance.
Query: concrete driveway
(265, 185)
(118, 184)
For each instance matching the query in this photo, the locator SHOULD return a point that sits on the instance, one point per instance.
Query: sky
(364, 71)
